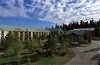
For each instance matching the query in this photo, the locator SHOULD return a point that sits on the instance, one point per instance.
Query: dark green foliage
(61, 51)
(31, 45)
(10, 39)
(88, 36)
(82, 24)
(49, 46)
(56, 39)
(97, 31)
(36, 48)
(12, 44)
(83, 41)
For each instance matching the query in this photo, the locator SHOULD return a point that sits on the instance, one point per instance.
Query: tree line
(83, 24)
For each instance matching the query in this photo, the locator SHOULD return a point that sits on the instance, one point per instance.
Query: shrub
(75, 44)
(61, 51)
(82, 41)
(88, 36)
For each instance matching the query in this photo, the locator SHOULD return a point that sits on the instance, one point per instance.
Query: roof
(24, 29)
(74, 33)
(84, 29)
(80, 31)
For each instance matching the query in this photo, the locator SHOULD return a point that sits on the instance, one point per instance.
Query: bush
(74, 44)
(88, 36)
(82, 41)
(61, 51)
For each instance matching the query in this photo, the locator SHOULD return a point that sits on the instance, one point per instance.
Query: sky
(51, 11)
(20, 22)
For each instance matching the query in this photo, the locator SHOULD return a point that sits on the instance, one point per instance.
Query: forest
(81, 24)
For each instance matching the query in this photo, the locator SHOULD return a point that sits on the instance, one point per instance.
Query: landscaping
(55, 60)
(51, 50)
(54, 48)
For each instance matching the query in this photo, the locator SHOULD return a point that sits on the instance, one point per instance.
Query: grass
(54, 60)
(84, 45)
(8, 59)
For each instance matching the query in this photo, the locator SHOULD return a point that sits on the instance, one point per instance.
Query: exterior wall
(23, 35)
(3, 34)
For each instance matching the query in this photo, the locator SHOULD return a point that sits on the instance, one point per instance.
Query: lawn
(52, 60)
(8, 59)
(55, 60)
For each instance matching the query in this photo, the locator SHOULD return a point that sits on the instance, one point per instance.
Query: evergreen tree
(97, 31)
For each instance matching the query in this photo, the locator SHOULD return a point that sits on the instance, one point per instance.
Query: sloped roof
(77, 32)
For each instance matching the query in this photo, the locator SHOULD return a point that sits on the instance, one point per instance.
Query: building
(76, 34)
(24, 34)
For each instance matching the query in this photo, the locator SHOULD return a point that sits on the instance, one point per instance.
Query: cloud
(56, 11)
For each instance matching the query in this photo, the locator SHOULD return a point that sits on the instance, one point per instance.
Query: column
(2, 34)
(31, 36)
(23, 35)
(19, 35)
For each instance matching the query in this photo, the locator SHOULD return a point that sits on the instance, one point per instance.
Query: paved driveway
(86, 55)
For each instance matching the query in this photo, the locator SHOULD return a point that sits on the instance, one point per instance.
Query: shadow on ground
(91, 50)
(96, 57)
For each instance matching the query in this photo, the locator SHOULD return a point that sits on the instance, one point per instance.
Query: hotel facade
(24, 34)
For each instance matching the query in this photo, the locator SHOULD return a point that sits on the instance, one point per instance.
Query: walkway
(86, 55)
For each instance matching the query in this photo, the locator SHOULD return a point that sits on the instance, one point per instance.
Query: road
(86, 55)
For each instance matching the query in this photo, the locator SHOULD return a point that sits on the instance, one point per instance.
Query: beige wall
(3, 34)
(23, 32)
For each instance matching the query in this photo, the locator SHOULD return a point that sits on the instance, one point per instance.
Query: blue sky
(50, 11)
(24, 22)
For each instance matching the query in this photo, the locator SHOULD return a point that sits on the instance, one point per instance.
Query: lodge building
(24, 34)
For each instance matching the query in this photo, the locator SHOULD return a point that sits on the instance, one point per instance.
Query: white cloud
(58, 11)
